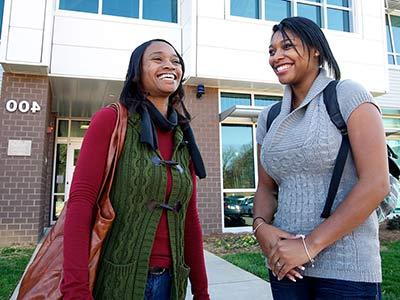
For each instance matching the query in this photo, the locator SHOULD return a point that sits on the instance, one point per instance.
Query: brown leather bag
(43, 278)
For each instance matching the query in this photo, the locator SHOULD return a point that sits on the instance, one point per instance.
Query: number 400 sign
(22, 106)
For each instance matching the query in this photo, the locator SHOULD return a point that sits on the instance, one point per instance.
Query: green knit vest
(139, 185)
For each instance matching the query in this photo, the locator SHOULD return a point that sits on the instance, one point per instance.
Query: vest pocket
(113, 280)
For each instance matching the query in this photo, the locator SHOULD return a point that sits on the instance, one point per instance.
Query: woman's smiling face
(161, 70)
(290, 59)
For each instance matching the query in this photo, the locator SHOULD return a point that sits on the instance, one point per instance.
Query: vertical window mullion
(261, 4)
(255, 146)
(141, 9)
(294, 7)
(324, 5)
(100, 7)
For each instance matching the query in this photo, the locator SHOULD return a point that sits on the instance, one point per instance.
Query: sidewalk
(226, 281)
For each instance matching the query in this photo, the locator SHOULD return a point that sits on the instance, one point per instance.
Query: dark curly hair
(132, 95)
(312, 37)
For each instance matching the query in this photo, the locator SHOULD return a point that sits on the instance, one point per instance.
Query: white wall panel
(373, 77)
(89, 62)
(103, 33)
(253, 36)
(223, 63)
(29, 14)
(24, 45)
(25, 21)
(374, 29)
(189, 33)
(211, 8)
(392, 98)
(101, 47)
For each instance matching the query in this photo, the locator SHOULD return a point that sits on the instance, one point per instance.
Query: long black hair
(311, 36)
(132, 95)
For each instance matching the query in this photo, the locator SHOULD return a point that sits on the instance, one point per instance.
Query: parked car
(246, 207)
(232, 207)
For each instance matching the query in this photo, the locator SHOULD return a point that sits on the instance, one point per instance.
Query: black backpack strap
(332, 106)
(273, 113)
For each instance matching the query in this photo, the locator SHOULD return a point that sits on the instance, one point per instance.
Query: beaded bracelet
(303, 239)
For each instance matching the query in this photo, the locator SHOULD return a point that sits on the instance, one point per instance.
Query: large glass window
(90, 6)
(231, 99)
(237, 156)
(123, 8)
(1, 14)
(160, 10)
(311, 12)
(238, 159)
(276, 10)
(248, 9)
(331, 14)
(393, 39)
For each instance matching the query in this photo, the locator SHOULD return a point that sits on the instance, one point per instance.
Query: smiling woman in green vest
(155, 242)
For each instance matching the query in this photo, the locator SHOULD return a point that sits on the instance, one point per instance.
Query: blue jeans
(158, 287)
(310, 288)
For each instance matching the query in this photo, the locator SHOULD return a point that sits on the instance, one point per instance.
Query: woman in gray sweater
(310, 257)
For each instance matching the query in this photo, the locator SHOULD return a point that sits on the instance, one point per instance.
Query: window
(1, 14)
(331, 14)
(276, 10)
(248, 9)
(237, 156)
(90, 6)
(159, 10)
(239, 159)
(393, 39)
(231, 99)
(122, 8)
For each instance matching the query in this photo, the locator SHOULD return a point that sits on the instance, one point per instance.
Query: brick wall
(24, 192)
(205, 125)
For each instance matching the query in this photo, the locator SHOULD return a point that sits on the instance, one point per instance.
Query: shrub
(394, 223)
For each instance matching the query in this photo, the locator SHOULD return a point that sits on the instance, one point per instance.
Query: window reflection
(160, 10)
(237, 156)
(311, 12)
(123, 8)
(344, 3)
(338, 20)
(238, 209)
(276, 10)
(265, 100)
(90, 6)
(230, 99)
(248, 9)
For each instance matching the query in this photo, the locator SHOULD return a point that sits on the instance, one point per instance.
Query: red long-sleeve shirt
(85, 186)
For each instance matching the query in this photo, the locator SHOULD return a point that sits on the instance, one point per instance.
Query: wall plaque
(19, 148)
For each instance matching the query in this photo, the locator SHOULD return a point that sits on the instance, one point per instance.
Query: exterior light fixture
(200, 90)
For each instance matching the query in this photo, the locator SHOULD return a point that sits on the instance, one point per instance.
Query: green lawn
(13, 261)
(254, 263)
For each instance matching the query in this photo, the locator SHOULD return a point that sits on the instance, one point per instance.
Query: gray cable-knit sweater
(299, 153)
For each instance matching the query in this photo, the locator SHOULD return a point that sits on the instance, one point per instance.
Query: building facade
(65, 59)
